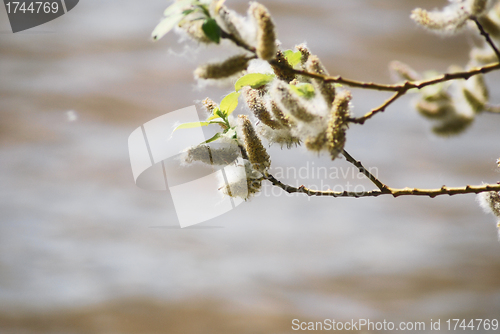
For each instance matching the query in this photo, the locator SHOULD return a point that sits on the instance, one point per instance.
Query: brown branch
(237, 41)
(486, 36)
(381, 108)
(406, 86)
(399, 89)
(383, 188)
(389, 191)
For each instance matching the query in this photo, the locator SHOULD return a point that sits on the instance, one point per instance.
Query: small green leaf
(229, 103)
(254, 80)
(191, 125)
(218, 122)
(216, 114)
(213, 117)
(293, 57)
(176, 7)
(214, 138)
(305, 90)
(166, 25)
(219, 113)
(211, 30)
(187, 11)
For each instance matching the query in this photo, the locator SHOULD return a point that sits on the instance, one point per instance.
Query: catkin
(337, 125)
(256, 152)
(225, 69)
(454, 125)
(280, 116)
(257, 105)
(210, 105)
(195, 31)
(326, 89)
(283, 69)
(291, 102)
(448, 21)
(266, 36)
(318, 143)
(305, 53)
(213, 156)
(404, 71)
(491, 201)
(230, 21)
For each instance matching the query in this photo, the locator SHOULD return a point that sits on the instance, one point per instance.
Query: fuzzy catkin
(283, 69)
(476, 93)
(257, 105)
(453, 125)
(490, 201)
(318, 143)
(327, 89)
(246, 185)
(210, 105)
(435, 109)
(256, 152)
(490, 26)
(291, 102)
(337, 125)
(404, 71)
(305, 53)
(220, 156)
(194, 30)
(477, 7)
(225, 69)
(448, 21)
(280, 116)
(229, 21)
(266, 36)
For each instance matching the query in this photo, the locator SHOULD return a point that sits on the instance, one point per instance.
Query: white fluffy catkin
(266, 37)
(227, 68)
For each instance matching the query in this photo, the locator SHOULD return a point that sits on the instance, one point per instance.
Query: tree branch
(486, 37)
(389, 191)
(383, 188)
(399, 89)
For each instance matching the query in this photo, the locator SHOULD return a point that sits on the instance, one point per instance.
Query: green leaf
(176, 7)
(191, 125)
(218, 122)
(214, 138)
(216, 114)
(211, 30)
(166, 25)
(254, 80)
(293, 58)
(213, 117)
(229, 103)
(305, 90)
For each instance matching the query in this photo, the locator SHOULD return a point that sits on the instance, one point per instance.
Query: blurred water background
(83, 250)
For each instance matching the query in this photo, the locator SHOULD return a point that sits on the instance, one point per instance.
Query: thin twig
(444, 190)
(399, 89)
(486, 36)
(237, 41)
(381, 108)
(383, 188)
